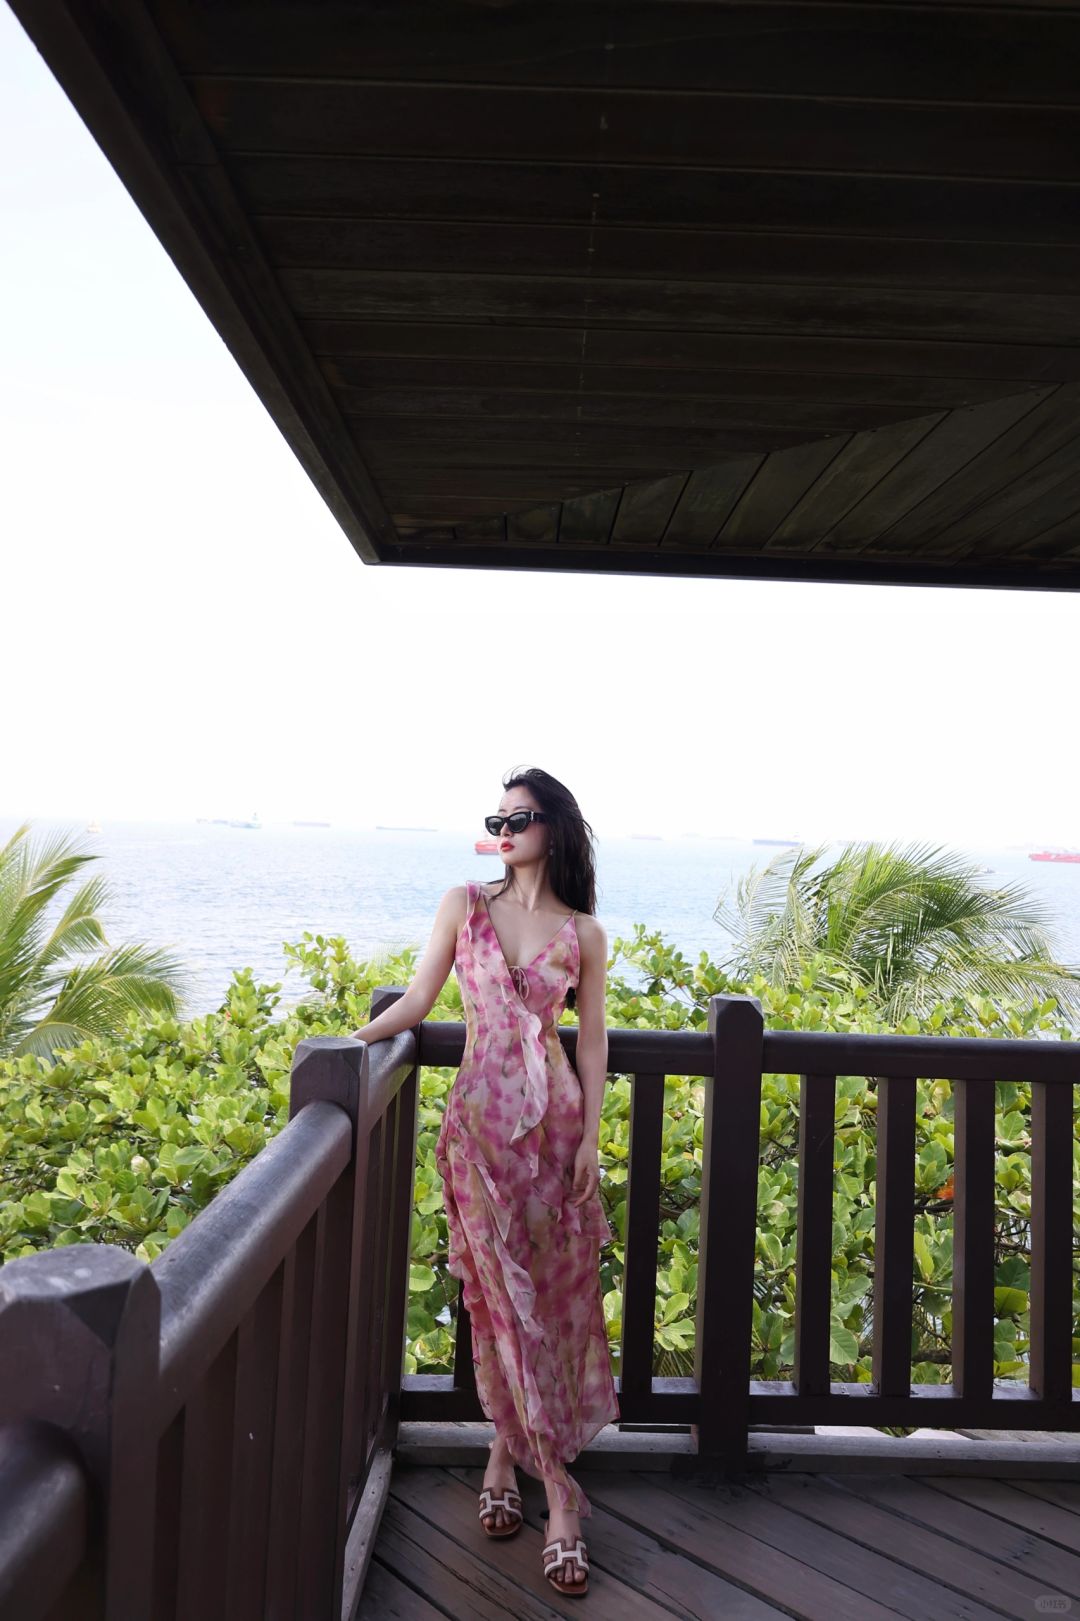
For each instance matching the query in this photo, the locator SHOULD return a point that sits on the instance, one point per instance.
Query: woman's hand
(586, 1171)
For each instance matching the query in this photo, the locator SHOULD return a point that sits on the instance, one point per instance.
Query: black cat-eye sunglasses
(517, 821)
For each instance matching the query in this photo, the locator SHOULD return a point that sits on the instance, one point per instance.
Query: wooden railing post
(332, 1069)
(403, 1161)
(79, 1336)
(728, 1234)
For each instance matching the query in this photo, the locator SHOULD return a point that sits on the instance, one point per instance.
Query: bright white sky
(187, 632)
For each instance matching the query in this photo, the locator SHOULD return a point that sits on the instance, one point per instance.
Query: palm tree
(915, 924)
(47, 1000)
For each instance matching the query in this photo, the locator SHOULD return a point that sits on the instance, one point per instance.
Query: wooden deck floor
(843, 1547)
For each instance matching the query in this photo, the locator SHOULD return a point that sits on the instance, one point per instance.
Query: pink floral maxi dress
(527, 1258)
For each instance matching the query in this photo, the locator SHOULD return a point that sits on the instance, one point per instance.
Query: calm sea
(223, 898)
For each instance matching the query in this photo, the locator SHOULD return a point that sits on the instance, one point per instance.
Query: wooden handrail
(195, 1435)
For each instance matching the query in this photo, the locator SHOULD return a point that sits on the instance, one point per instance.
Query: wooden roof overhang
(774, 290)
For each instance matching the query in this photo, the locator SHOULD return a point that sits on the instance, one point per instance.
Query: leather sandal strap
(563, 1554)
(502, 1500)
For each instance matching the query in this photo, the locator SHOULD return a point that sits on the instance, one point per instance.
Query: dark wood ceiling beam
(352, 380)
(636, 411)
(733, 199)
(967, 52)
(405, 439)
(487, 247)
(708, 306)
(664, 348)
(420, 553)
(686, 129)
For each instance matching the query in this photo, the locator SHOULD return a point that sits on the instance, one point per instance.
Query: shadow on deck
(846, 1546)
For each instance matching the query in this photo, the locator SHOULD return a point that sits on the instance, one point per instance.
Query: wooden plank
(855, 470)
(537, 524)
(408, 436)
(973, 1240)
(1024, 510)
(639, 411)
(637, 1349)
(1046, 496)
(342, 117)
(944, 451)
(586, 519)
(893, 1235)
(1065, 1493)
(921, 207)
(350, 376)
(781, 480)
(706, 500)
(1050, 1302)
(658, 350)
(813, 1269)
(974, 53)
(529, 485)
(422, 509)
(708, 306)
(1060, 539)
(456, 246)
(771, 1573)
(482, 531)
(645, 508)
(872, 1571)
(387, 1598)
(958, 1510)
(854, 1508)
(723, 1325)
(718, 563)
(434, 1516)
(1017, 1508)
(1052, 424)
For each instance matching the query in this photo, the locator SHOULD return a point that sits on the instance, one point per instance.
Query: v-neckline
(521, 966)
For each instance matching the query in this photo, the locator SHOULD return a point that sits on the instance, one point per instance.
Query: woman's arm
(430, 977)
(592, 1050)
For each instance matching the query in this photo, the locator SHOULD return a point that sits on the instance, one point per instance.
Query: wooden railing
(211, 1435)
(720, 1401)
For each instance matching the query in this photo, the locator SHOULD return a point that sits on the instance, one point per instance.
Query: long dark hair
(571, 864)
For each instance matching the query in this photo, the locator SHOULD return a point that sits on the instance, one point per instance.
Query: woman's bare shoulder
(591, 932)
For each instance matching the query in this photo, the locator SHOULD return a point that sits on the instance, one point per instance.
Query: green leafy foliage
(49, 998)
(123, 1141)
(913, 924)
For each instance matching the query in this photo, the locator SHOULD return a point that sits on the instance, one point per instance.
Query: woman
(517, 1152)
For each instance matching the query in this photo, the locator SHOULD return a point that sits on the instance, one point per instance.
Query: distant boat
(786, 842)
(1054, 855)
(486, 847)
(253, 823)
(389, 827)
(93, 825)
(310, 824)
(646, 835)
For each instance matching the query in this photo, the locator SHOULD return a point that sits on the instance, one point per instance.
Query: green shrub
(123, 1142)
